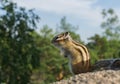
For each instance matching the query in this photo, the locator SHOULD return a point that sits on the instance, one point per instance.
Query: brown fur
(79, 68)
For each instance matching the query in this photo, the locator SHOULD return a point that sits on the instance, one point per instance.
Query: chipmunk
(78, 55)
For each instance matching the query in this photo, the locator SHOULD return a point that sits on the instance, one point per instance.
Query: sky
(83, 13)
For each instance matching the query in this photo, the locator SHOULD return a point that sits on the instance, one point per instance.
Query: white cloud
(55, 5)
(79, 8)
(82, 9)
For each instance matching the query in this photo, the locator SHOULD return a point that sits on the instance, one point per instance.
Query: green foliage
(112, 32)
(98, 47)
(51, 60)
(18, 51)
(106, 46)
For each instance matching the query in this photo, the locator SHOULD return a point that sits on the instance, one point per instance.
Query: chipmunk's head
(61, 39)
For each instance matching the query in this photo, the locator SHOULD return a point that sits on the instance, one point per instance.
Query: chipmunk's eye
(56, 38)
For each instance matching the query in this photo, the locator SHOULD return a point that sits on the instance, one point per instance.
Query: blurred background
(27, 27)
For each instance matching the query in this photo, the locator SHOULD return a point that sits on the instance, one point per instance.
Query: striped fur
(78, 55)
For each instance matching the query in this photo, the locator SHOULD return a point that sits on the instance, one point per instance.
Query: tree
(111, 24)
(107, 45)
(18, 52)
(98, 46)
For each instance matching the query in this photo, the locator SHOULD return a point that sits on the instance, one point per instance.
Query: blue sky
(83, 13)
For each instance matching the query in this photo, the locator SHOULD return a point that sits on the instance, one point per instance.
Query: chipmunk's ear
(67, 35)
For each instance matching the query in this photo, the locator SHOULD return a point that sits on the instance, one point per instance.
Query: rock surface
(97, 77)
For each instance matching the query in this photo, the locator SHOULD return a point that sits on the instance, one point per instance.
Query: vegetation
(27, 56)
(107, 45)
(19, 53)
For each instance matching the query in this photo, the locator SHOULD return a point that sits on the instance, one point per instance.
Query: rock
(98, 77)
